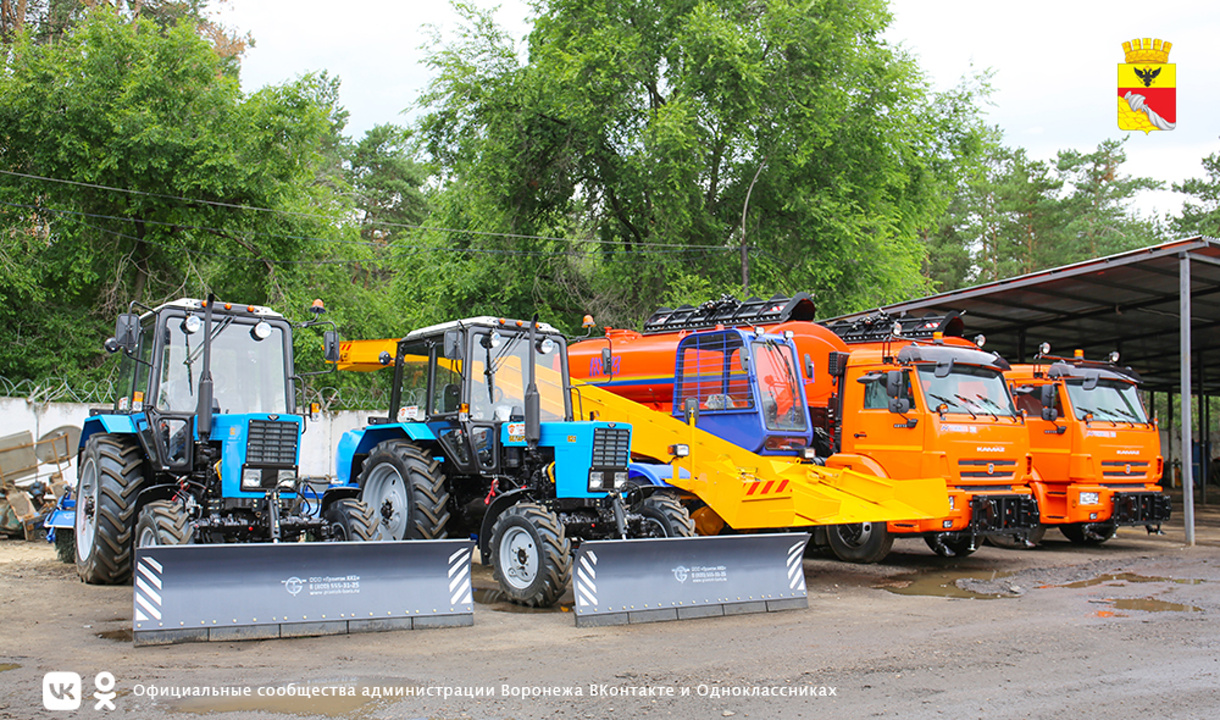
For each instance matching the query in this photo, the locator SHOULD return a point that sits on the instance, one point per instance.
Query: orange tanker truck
(1097, 455)
(898, 400)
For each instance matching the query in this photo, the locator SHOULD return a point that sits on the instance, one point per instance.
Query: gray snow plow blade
(200, 593)
(616, 582)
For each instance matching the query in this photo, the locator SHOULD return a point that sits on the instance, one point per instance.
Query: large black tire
(664, 516)
(352, 520)
(860, 542)
(531, 556)
(951, 544)
(1088, 533)
(65, 545)
(108, 479)
(407, 492)
(162, 522)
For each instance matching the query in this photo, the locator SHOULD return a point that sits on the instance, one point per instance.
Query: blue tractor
(480, 440)
(203, 442)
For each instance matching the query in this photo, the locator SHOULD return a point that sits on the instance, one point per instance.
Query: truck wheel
(1088, 533)
(350, 519)
(532, 558)
(951, 544)
(406, 491)
(111, 472)
(664, 516)
(162, 522)
(65, 545)
(860, 542)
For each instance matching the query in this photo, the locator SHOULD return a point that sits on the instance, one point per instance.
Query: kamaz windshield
(248, 373)
(966, 389)
(1112, 400)
(498, 376)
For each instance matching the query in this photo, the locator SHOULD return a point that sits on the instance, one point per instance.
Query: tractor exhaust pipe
(533, 406)
(203, 410)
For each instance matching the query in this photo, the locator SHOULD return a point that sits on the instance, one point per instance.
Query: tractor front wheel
(860, 542)
(162, 522)
(110, 474)
(532, 556)
(351, 520)
(664, 516)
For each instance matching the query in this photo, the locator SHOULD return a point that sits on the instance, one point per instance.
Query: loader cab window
(413, 385)
(499, 367)
(712, 372)
(969, 389)
(1113, 400)
(778, 386)
(249, 373)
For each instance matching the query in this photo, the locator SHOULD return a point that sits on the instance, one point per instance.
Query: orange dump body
(1090, 465)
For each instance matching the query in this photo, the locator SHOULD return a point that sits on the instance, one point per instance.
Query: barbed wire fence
(102, 392)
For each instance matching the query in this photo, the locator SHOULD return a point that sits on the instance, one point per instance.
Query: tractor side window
(413, 391)
(447, 390)
(132, 388)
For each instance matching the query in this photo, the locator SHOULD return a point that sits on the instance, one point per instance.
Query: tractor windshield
(966, 389)
(1112, 400)
(248, 373)
(779, 393)
(499, 375)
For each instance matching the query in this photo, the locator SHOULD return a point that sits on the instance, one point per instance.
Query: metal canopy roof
(1128, 302)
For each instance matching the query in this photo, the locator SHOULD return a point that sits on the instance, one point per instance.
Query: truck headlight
(952, 503)
(620, 479)
(1090, 498)
(679, 450)
(251, 479)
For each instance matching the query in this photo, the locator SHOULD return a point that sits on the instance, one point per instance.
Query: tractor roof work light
(1114, 358)
(1044, 348)
(980, 340)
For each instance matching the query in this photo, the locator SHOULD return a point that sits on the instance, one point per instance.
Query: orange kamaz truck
(1097, 455)
(898, 400)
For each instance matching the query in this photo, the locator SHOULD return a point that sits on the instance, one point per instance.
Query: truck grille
(991, 469)
(611, 447)
(272, 443)
(1124, 468)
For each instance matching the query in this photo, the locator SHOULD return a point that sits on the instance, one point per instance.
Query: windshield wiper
(966, 403)
(947, 401)
(988, 401)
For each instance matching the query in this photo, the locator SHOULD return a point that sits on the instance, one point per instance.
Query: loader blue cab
(480, 440)
(203, 442)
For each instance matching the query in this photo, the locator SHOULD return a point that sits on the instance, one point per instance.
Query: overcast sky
(1054, 63)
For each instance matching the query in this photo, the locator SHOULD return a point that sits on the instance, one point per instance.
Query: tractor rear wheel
(406, 491)
(860, 542)
(1088, 533)
(162, 522)
(532, 557)
(350, 519)
(664, 516)
(110, 474)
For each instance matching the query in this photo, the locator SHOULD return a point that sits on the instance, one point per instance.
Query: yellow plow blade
(750, 491)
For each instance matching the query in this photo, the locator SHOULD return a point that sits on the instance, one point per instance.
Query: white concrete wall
(317, 445)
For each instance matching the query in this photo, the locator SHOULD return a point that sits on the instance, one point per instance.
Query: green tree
(1201, 211)
(669, 136)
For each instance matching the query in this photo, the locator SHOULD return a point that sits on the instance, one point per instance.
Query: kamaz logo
(989, 449)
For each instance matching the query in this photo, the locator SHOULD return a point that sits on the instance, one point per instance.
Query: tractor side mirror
(607, 360)
(453, 345)
(808, 367)
(127, 332)
(330, 346)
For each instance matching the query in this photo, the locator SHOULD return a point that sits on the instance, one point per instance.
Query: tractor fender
(361, 441)
(502, 502)
(112, 424)
(335, 493)
(653, 474)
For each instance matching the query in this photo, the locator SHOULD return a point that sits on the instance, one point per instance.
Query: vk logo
(61, 691)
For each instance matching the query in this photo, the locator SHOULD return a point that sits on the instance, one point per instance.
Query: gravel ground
(1125, 630)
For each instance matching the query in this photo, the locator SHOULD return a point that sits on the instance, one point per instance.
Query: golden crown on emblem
(1147, 51)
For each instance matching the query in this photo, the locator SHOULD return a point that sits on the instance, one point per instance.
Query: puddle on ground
(123, 635)
(8, 666)
(941, 584)
(496, 599)
(1150, 605)
(1127, 578)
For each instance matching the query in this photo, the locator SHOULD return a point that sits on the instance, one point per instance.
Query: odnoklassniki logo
(1147, 87)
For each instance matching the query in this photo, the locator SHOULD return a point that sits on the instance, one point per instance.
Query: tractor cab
(744, 387)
